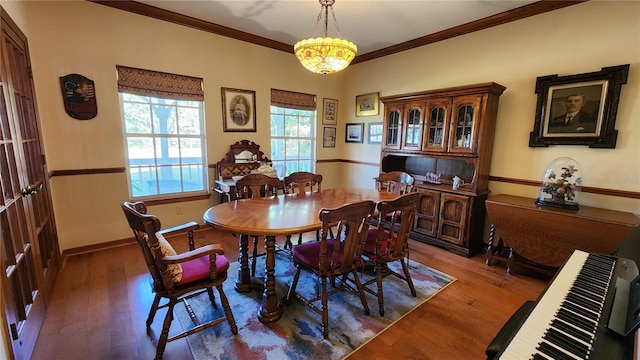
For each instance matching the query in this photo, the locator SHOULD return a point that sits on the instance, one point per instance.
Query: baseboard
(102, 246)
(95, 247)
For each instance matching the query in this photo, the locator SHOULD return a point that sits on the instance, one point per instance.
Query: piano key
(567, 343)
(564, 315)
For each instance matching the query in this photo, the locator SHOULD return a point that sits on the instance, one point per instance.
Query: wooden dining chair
(334, 257)
(397, 182)
(301, 182)
(389, 242)
(178, 277)
(257, 185)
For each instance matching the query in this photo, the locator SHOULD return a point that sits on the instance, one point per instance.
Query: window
(164, 134)
(293, 118)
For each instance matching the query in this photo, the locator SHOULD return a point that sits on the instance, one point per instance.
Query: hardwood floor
(101, 301)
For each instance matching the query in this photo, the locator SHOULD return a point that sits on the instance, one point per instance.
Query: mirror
(245, 156)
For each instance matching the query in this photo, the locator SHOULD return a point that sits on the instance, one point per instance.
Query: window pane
(189, 121)
(137, 118)
(164, 119)
(277, 149)
(277, 125)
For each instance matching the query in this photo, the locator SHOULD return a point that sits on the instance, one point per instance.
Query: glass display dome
(561, 184)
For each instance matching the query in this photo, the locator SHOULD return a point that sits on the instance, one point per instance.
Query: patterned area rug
(298, 334)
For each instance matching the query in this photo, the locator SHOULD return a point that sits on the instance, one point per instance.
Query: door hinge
(29, 72)
(14, 331)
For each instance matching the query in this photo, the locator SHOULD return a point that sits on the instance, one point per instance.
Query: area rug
(298, 334)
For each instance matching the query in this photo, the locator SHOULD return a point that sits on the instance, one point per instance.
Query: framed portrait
(578, 109)
(374, 135)
(329, 111)
(238, 110)
(354, 133)
(367, 104)
(329, 137)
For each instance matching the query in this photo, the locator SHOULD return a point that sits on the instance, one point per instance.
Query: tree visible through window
(165, 145)
(292, 140)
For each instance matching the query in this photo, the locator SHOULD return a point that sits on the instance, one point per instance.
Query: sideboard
(546, 236)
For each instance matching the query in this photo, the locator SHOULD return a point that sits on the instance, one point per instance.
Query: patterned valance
(294, 100)
(159, 84)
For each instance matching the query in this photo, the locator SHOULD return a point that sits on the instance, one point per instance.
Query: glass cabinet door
(463, 136)
(437, 126)
(392, 126)
(413, 127)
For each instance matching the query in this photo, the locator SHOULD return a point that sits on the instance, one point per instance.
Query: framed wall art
(329, 137)
(367, 104)
(354, 133)
(374, 135)
(578, 109)
(329, 111)
(238, 110)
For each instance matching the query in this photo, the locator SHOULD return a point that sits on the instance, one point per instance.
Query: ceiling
(376, 26)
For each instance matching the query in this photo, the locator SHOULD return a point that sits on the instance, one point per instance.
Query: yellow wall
(90, 39)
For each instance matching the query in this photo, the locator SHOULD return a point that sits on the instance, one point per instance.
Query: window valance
(159, 84)
(291, 99)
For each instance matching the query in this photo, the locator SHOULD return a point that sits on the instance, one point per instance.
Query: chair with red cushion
(390, 242)
(178, 277)
(334, 258)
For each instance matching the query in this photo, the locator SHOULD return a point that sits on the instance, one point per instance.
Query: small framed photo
(578, 109)
(374, 135)
(329, 137)
(367, 104)
(238, 110)
(354, 133)
(329, 112)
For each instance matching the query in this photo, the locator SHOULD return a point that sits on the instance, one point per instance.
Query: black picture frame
(354, 133)
(597, 95)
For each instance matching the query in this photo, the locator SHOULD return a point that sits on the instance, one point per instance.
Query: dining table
(279, 215)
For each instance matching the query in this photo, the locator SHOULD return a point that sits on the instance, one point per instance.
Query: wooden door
(453, 218)
(427, 213)
(30, 252)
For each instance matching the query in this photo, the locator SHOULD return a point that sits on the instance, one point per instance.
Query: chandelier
(325, 55)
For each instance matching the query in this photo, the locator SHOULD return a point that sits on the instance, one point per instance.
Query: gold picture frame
(367, 104)
(329, 111)
(238, 110)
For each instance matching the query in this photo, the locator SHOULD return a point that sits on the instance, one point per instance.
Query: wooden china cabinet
(447, 132)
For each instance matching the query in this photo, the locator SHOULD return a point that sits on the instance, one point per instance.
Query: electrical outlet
(179, 210)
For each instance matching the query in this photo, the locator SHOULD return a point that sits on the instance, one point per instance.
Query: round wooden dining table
(284, 214)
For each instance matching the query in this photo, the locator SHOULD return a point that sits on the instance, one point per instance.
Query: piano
(589, 310)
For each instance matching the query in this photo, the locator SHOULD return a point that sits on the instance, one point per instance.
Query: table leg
(489, 254)
(271, 309)
(245, 282)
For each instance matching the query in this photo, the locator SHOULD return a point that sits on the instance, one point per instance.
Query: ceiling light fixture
(325, 55)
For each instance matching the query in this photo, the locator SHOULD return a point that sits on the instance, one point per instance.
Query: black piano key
(578, 321)
(579, 310)
(572, 330)
(566, 343)
(548, 349)
(586, 302)
(539, 357)
(588, 294)
(589, 284)
(593, 314)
